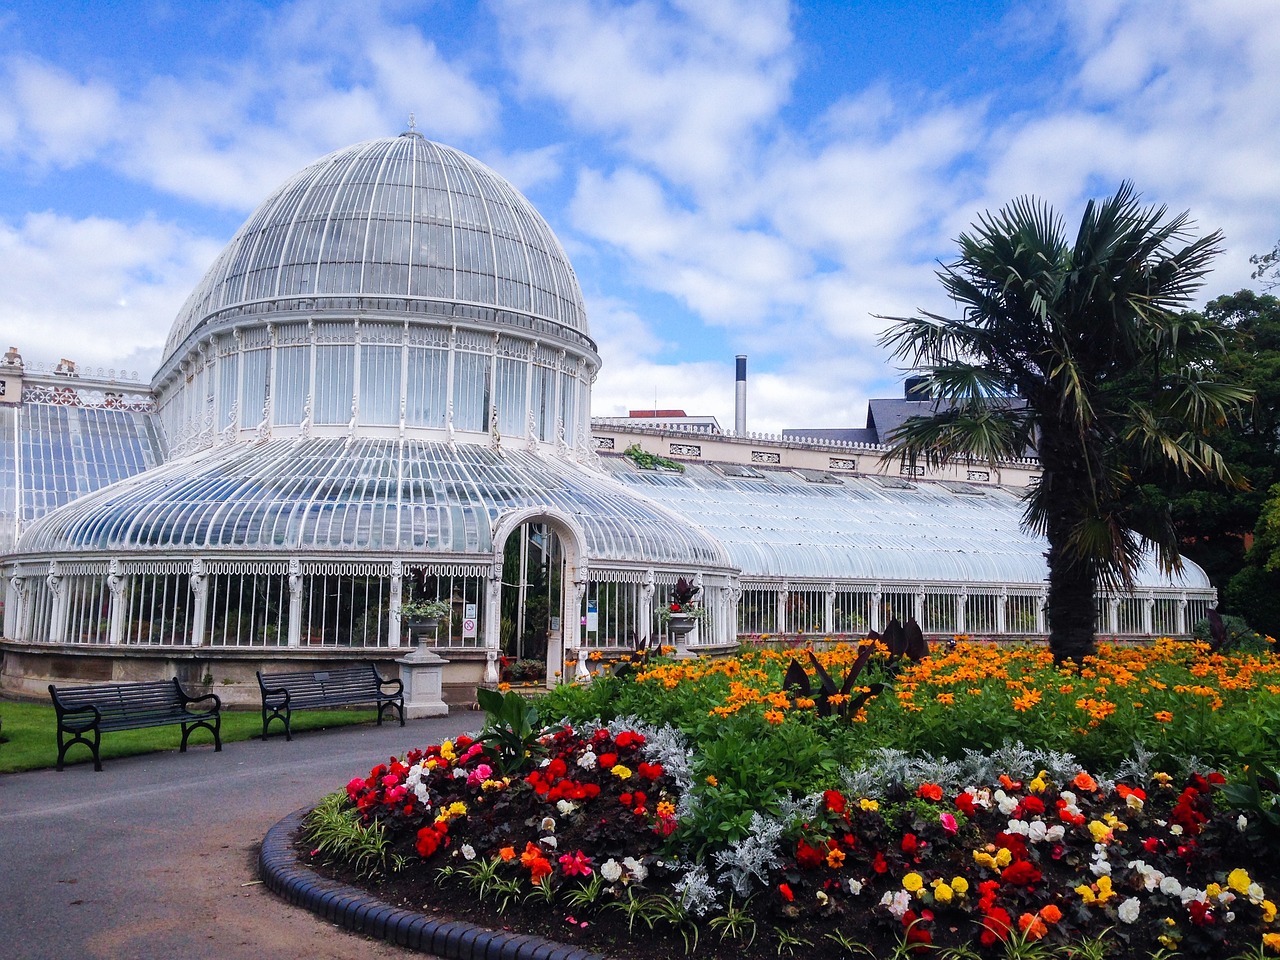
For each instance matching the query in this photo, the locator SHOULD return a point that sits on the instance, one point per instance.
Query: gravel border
(360, 912)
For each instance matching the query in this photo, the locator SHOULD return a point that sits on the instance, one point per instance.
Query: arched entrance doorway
(535, 596)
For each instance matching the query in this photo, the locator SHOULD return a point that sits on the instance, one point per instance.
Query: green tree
(1080, 350)
(1214, 522)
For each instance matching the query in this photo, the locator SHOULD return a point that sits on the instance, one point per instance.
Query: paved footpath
(155, 857)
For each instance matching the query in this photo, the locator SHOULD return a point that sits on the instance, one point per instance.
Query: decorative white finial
(413, 123)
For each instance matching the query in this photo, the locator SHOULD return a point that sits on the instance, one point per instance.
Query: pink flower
(575, 864)
(390, 780)
(948, 823)
(479, 775)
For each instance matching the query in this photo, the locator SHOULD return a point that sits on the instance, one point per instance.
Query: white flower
(1171, 886)
(1006, 803)
(459, 774)
(1037, 831)
(1100, 868)
(1255, 893)
(565, 807)
(588, 761)
(855, 887)
(1128, 911)
(549, 824)
(1055, 833)
(1191, 893)
(468, 851)
(1133, 801)
(611, 870)
(1242, 823)
(637, 869)
(550, 842)
(1176, 829)
(1018, 827)
(896, 903)
(1230, 917)
(1068, 796)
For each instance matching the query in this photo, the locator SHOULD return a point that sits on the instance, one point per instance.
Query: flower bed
(635, 830)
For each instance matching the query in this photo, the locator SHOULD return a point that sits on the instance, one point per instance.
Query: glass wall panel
(470, 391)
(1130, 620)
(510, 396)
(247, 610)
(1197, 610)
(543, 401)
(806, 611)
(38, 610)
(897, 604)
(852, 612)
(1165, 617)
(758, 612)
(616, 611)
(379, 385)
(982, 614)
(345, 611)
(425, 397)
(253, 389)
(461, 592)
(569, 407)
(228, 389)
(1020, 614)
(335, 384)
(940, 613)
(158, 609)
(293, 375)
(88, 609)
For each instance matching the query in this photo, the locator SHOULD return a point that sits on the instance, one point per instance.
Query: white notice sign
(468, 621)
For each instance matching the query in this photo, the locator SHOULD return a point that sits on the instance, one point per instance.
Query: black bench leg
(214, 728)
(64, 745)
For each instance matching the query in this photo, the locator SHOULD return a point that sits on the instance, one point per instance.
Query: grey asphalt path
(156, 856)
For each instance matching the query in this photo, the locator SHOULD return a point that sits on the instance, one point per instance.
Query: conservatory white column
(1042, 600)
(1002, 611)
(829, 610)
(962, 618)
(58, 616)
(644, 610)
(393, 606)
(200, 591)
(919, 614)
(15, 607)
(493, 619)
(116, 584)
(1113, 616)
(1148, 615)
(876, 596)
(780, 613)
(1182, 614)
(295, 603)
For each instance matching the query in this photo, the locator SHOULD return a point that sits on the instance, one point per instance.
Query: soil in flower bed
(590, 819)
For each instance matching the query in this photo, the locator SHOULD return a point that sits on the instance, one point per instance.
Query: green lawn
(30, 738)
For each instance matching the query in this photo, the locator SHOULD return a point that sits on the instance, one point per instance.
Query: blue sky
(728, 177)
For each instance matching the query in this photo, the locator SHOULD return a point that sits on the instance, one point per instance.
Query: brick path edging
(360, 912)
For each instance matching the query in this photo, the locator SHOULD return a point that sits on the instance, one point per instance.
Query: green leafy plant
(650, 461)
(788, 942)
(425, 609)
(511, 730)
(339, 834)
(736, 923)
(829, 699)
(587, 895)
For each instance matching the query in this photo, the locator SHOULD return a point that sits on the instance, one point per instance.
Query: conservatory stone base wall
(29, 668)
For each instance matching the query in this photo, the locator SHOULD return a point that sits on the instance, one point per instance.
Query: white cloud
(98, 291)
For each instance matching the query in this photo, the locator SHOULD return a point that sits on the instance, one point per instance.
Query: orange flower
(1084, 782)
(507, 853)
(1050, 914)
(1032, 926)
(1164, 716)
(835, 858)
(774, 716)
(929, 791)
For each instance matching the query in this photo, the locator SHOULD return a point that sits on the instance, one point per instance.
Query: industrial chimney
(740, 404)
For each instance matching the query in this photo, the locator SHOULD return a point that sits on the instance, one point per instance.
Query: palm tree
(1080, 352)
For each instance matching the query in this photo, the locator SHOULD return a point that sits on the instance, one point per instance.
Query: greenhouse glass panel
(569, 407)
(544, 402)
(461, 592)
(228, 389)
(1165, 617)
(806, 611)
(335, 384)
(293, 374)
(940, 613)
(1021, 616)
(758, 612)
(253, 390)
(510, 396)
(345, 611)
(380, 385)
(1197, 611)
(982, 614)
(1130, 620)
(897, 605)
(88, 602)
(425, 400)
(38, 610)
(852, 612)
(158, 610)
(470, 391)
(617, 608)
(247, 610)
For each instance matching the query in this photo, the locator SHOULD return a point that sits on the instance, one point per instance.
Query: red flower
(909, 843)
(1020, 872)
(1030, 805)
(785, 890)
(808, 857)
(628, 739)
(608, 761)
(965, 804)
(996, 926)
(834, 800)
(650, 771)
(879, 865)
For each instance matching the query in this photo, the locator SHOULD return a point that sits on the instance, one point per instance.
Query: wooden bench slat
(286, 691)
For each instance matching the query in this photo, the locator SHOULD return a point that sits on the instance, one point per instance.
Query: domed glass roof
(396, 218)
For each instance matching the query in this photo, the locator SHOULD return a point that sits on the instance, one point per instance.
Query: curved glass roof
(780, 525)
(399, 217)
(391, 496)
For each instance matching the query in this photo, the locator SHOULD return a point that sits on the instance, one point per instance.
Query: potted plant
(682, 614)
(425, 615)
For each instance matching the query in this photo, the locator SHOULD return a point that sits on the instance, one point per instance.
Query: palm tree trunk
(1070, 609)
(1072, 580)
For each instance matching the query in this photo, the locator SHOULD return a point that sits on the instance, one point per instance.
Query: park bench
(103, 707)
(282, 693)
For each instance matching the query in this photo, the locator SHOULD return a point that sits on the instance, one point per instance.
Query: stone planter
(678, 629)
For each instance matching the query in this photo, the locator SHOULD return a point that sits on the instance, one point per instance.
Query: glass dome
(399, 217)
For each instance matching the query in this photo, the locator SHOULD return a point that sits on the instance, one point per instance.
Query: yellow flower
(1003, 857)
(1039, 784)
(942, 892)
(1268, 911)
(621, 772)
(1100, 831)
(984, 860)
(870, 806)
(1271, 941)
(912, 882)
(1238, 880)
(960, 885)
